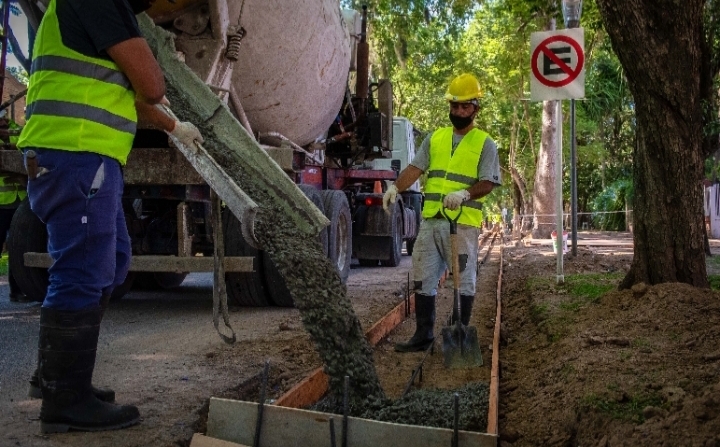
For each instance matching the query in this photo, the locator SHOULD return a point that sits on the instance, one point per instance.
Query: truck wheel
(274, 281)
(243, 288)
(337, 211)
(396, 240)
(28, 234)
(315, 197)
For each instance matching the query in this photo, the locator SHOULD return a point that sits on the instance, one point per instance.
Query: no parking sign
(557, 64)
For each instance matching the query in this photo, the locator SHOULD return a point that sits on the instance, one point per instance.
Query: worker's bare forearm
(150, 115)
(407, 177)
(137, 62)
(480, 189)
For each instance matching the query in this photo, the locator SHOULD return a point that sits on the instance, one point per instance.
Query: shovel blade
(460, 347)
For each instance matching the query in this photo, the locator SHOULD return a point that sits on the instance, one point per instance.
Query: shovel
(460, 343)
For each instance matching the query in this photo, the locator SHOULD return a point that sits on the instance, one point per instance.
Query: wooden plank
(199, 440)
(494, 399)
(313, 387)
(308, 391)
(159, 166)
(235, 421)
(389, 322)
(151, 263)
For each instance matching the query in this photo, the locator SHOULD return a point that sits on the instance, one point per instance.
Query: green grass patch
(565, 300)
(539, 312)
(4, 265)
(714, 281)
(627, 410)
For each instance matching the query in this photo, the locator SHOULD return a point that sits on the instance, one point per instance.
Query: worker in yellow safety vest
(92, 76)
(12, 193)
(462, 168)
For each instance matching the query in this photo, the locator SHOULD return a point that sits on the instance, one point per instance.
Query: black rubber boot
(103, 394)
(66, 353)
(466, 305)
(425, 321)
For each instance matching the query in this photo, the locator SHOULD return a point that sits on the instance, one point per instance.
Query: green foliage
(421, 45)
(609, 206)
(714, 281)
(4, 265)
(20, 74)
(630, 409)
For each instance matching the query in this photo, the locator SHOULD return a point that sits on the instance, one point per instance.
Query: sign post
(557, 64)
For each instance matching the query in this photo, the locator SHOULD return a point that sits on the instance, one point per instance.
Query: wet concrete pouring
(327, 314)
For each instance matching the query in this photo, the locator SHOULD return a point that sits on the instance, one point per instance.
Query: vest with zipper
(449, 172)
(76, 102)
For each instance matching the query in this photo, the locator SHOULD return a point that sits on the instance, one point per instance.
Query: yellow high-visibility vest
(449, 172)
(10, 192)
(76, 102)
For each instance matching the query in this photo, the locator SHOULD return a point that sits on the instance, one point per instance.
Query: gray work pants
(432, 255)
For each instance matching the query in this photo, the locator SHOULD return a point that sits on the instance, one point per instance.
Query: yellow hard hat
(463, 88)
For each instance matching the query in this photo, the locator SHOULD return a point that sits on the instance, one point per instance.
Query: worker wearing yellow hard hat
(463, 167)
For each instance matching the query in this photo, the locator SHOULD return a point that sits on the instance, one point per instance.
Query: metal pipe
(362, 89)
(456, 420)
(261, 407)
(3, 57)
(239, 110)
(573, 179)
(558, 196)
(346, 408)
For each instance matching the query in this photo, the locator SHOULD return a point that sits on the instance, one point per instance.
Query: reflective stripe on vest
(10, 192)
(76, 102)
(449, 172)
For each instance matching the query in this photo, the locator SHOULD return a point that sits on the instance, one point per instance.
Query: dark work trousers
(87, 236)
(6, 215)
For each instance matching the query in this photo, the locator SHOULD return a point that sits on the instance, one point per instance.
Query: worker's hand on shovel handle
(453, 200)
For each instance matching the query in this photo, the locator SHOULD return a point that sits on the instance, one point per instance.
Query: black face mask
(139, 6)
(460, 122)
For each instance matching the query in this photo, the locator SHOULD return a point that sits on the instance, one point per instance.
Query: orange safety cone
(377, 189)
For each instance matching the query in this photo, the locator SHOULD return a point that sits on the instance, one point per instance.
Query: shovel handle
(455, 258)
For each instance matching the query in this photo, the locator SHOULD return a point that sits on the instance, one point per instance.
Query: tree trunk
(544, 189)
(544, 186)
(660, 44)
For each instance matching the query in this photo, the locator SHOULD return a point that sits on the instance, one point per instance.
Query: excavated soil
(630, 368)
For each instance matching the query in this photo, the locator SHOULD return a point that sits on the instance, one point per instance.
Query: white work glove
(186, 133)
(390, 197)
(453, 200)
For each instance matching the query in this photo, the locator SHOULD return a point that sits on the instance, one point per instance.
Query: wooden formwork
(284, 423)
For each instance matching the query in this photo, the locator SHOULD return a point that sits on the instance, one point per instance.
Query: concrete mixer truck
(296, 77)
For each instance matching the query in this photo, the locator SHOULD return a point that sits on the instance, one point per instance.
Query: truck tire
(274, 281)
(316, 197)
(243, 288)
(28, 234)
(396, 240)
(339, 233)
